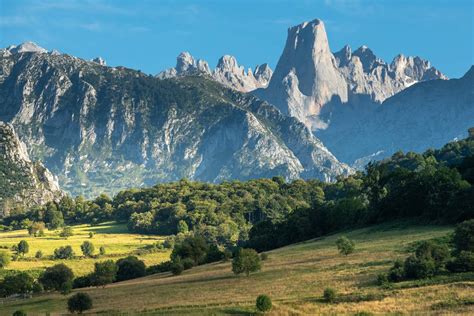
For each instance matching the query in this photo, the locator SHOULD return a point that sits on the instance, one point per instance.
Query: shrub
(18, 283)
(188, 263)
(169, 242)
(263, 303)
(79, 302)
(66, 288)
(36, 229)
(37, 287)
(463, 262)
(192, 247)
(104, 273)
(130, 268)
(429, 250)
(382, 279)
(463, 238)
(91, 235)
(19, 313)
(54, 277)
(264, 256)
(23, 247)
(329, 295)
(82, 281)
(419, 268)
(66, 232)
(397, 272)
(102, 250)
(39, 254)
(87, 248)
(177, 266)
(345, 245)
(64, 253)
(4, 259)
(159, 268)
(246, 261)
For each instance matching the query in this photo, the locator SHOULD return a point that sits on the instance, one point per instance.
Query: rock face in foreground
(23, 183)
(227, 72)
(101, 128)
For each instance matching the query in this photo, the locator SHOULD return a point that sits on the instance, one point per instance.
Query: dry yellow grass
(294, 277)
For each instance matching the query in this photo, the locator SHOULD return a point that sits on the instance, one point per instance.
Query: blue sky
(148, 35)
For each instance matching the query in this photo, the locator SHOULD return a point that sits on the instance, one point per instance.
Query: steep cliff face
(319, 87)
(23, 183)
(227, 72)
(103, 129)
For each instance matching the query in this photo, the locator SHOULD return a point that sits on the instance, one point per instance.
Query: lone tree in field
(87, 248)
(4, 259)
(23, 247)
(79, 302)
(130, 268)
(263, 303)
(345, 245)
(104, 273)
(246, 261)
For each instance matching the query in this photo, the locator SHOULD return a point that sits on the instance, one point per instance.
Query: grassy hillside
(294, 277)
(114, 237)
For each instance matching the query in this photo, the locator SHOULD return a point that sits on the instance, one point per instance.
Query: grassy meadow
(118, 243)
(294, 277)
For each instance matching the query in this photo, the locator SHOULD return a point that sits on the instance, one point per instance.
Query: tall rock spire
(306, 77)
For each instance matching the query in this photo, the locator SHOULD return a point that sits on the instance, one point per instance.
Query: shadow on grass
(237, 311)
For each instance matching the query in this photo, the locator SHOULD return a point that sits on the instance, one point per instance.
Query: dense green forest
(436, 186)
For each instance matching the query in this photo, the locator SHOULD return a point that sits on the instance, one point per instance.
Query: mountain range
(102, 129)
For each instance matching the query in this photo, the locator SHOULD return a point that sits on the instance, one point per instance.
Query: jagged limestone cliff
(23, 183)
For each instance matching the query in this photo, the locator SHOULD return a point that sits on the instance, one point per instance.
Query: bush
(104, 273)
(188, 263)
(419, 268)
(39, 254)
(329, 295)
(463, 238)
(82, 281)
(23, 247)
(192, 247)
(177, 267)
(246, 261)
(463, 262)
(54, 277)
(91, 235)
(64, 253)
(87, 248)
(4, 259)
(66, 232)
(130, 268)
(79, 302)
(382, 279)
(345, 245)
(430, 250)
(18, 283)
(263, 303)
(102, 250)
(397, 272)
(37, 287)
(264, 256)
(19, 313)
(159, 268)
(66, 288)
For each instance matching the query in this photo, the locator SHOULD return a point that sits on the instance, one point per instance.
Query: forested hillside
(436, 186)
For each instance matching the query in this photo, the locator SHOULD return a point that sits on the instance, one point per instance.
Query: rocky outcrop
(319, 87)
(105, 129)
(227, 72)
(23, 183)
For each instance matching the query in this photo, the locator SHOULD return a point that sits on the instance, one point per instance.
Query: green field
(114, 237)
(294, 277)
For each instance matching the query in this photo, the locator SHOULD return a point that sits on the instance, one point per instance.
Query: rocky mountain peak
(367, 58)
(27, 47)
(100, 61)
(343, 56)
(227, 72)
